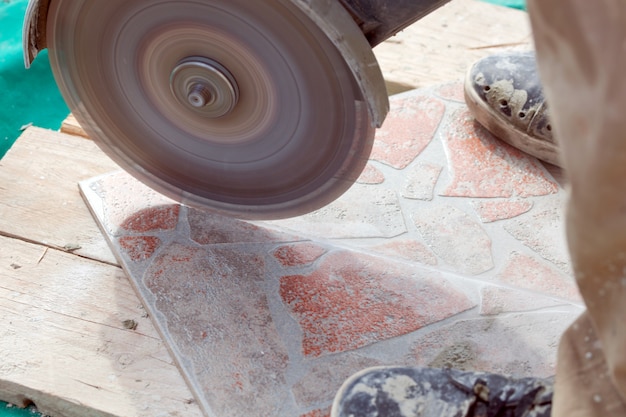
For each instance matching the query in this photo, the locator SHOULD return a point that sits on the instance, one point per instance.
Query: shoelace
(501, 404)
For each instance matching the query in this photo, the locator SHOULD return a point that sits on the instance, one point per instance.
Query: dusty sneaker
(429, 392)
(504, 94)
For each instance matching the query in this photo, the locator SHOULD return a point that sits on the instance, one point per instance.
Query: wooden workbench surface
(63, 297)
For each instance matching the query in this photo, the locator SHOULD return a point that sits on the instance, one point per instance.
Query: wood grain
(39, 198)
(441, 47)
(65, 348)
(63, 344)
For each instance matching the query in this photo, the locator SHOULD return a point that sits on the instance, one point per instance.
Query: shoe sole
(502, 129)
(460, 400)
(428, 392)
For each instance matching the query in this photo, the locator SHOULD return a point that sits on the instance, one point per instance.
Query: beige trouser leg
(581, 47)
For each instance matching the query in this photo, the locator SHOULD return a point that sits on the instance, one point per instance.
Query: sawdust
(458, 356)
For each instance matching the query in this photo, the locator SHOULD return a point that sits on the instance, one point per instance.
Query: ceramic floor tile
(352, 300)
(457, 238)
(542, 231)
(362, 212)
(485, 167)
(408, 249)
(530, 272)
(217, 317)
(498, 300)
(421, 181)
(514, 344)
(314, 386)
(409, 128)
(317, 413)
(452, 91)
(371, 175)
(491, 211)
(298, 254)
(449, 250)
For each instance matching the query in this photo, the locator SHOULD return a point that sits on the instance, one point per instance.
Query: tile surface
(448, 251)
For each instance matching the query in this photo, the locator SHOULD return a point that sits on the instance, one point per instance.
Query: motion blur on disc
(245, 107)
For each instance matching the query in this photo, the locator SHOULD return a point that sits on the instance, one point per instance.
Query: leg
(581, 53)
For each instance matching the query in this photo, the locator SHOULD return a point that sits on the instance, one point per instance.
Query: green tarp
(7, 410)
(516, 4)
(26, 96)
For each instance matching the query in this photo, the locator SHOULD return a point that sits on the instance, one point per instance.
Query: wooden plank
(64, 346)
(39, 198)
(440, 47)
(63, 343)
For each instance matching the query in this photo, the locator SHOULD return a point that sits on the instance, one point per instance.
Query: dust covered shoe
(504, 93)
(429, 392)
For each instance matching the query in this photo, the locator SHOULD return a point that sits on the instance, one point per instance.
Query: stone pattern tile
(498, 300)
(410, 127)
(542, 231)
(371, 175)
(408, 249)
(482, 166)
(222, 324)
(448, 251)
(420, 181)
(516, 344)
(314, 386)
(457, 238)
(362, 212)
(352, 300)
(492, 211)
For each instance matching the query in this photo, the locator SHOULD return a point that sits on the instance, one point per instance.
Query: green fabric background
(516, 4)
(26, 96)
(31, 96)
(11, 411)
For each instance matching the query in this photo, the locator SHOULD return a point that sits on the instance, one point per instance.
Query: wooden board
(40, 200)
(63, 342)
(438, 48)
(442, 46)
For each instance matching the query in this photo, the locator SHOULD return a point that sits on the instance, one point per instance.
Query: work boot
(504, 94)
(429, 392)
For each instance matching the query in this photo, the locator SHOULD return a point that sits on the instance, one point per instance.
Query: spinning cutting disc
(245, 107)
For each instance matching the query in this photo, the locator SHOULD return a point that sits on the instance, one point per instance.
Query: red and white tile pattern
(448, 251)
